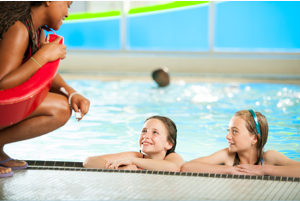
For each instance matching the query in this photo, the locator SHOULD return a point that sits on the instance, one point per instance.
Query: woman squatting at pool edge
(23, 50)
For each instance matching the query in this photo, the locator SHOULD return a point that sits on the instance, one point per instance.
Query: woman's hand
(250, 169)
(51, 51)
(79, 102)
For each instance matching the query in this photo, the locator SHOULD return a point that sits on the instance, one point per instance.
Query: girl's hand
(78, 102)
(52, 51)
(234, 170)
(250, 169)
(129, 167)
(117, 163)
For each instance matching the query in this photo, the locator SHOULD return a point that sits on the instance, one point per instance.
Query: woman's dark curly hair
(12, 11)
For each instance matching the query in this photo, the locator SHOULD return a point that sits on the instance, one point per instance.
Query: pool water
(201, 112)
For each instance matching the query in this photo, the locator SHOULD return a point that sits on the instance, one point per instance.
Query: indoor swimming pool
(201, 111)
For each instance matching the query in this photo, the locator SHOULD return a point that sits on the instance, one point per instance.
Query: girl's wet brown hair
(172, 130)
(12, 11)
(251, 127)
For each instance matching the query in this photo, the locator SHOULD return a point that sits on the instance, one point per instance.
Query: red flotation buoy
(19, 102)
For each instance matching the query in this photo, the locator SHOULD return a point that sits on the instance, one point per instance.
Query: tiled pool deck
(69, 181)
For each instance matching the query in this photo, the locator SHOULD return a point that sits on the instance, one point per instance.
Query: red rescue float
(19, 102)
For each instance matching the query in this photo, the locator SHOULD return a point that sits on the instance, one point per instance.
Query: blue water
(201, 111)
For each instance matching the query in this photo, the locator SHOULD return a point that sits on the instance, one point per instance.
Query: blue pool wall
(236, 26)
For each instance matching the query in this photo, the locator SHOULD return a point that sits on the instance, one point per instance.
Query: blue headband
(256, 121)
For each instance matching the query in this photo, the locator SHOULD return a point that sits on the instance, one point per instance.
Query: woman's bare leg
(51, 114)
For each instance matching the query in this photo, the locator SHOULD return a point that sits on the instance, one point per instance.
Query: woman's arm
(59, 82)
(77, 101)
(12, 49)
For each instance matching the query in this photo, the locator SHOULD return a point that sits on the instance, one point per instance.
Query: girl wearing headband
(247, 135)
(157, 150)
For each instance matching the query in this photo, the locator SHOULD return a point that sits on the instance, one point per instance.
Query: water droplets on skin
(201, 112)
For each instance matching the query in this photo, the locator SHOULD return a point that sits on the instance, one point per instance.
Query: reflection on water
(200, 110)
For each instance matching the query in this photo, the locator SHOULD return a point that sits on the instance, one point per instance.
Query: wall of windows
(184, 26)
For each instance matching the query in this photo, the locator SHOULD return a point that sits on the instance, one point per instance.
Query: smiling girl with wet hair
(157, 150)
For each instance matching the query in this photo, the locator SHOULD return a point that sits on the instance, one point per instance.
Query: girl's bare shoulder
(220, 157)
(227, 153)
(173, 155)
(270, 156)
(273, 157)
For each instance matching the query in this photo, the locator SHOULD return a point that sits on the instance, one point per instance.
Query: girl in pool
(23, 50)
(157, 143)
(247, 135)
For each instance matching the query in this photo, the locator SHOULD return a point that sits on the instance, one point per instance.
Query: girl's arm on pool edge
(100, 161)
(213, 163)
(275, 164)
(172, 162)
